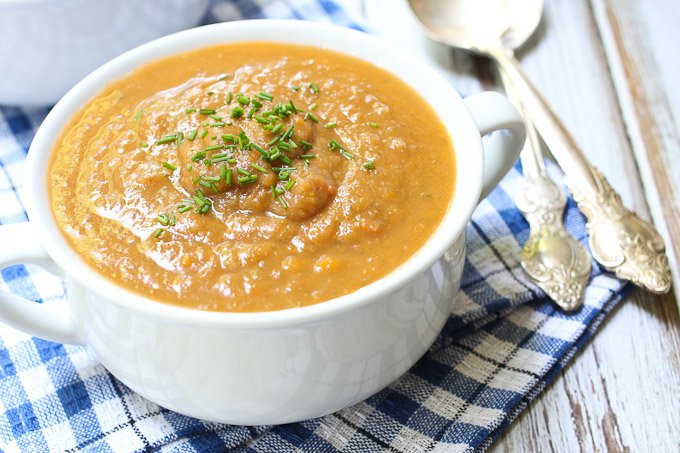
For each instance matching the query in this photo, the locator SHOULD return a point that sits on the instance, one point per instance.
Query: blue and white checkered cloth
(502, 345)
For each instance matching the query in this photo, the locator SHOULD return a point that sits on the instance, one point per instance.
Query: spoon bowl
(477, 25)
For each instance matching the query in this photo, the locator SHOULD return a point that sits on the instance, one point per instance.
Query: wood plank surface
(640, 39)
(619, 392)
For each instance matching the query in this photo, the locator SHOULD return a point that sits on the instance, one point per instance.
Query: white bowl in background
(47, 46)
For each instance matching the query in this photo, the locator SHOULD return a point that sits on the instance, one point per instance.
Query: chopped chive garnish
(284, 146)
(277, 169)
(230, 97)
(215, 117)
(166, 139)
(213, 148)
(282, 201)
(265, 96)
(294, 88)
(203, 134)
(158, 233)
(144, 144)
(180, 138)
(227, 177)
(260, 150)
(259, 168)
(210, 93)
(215, 160)
(289, 185)
(330, 125)
(369, 164)
(276, 154)
(198, 156)
(191, 110)
(190, 167)
(169, 166)
(218, 124)
(201, 203)
(243, 140)
(211, 178)
(204, 184)
(261, 119)
(372, 124)
(333, 144)
(206, 111)
(229, 138)
(307, 156)
(223, 172)
(277, 128)
(311, 117)
(313, 107)
(237, 112)
(243, 172)
(243, 100)
(305, 145)
(314, 87)
(278, 190)
(192, 135)
(247, 179)
(163, 219)
(284, 175)
(292, 107)
(288, 134)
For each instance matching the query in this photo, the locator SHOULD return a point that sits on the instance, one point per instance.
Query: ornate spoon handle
(619, 239)
(555, 260)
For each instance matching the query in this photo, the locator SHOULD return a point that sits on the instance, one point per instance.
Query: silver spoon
(558, 263)
(619, 240)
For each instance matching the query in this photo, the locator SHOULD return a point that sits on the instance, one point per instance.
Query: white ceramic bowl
(47, 46)
(270, 367)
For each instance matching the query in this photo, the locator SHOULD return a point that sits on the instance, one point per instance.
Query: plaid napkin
(502, 345)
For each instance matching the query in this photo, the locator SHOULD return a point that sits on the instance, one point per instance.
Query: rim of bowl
(446, 102)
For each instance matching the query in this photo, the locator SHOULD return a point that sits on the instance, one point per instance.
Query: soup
(251, 177)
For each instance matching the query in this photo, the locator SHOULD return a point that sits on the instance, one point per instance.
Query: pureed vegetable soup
(251, 177)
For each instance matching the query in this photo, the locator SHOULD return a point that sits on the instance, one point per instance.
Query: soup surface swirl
(251, 177)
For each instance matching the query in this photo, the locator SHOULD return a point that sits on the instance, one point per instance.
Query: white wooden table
(611, 71)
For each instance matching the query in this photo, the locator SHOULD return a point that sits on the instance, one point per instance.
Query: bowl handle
(492, 112)
(50, 320)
